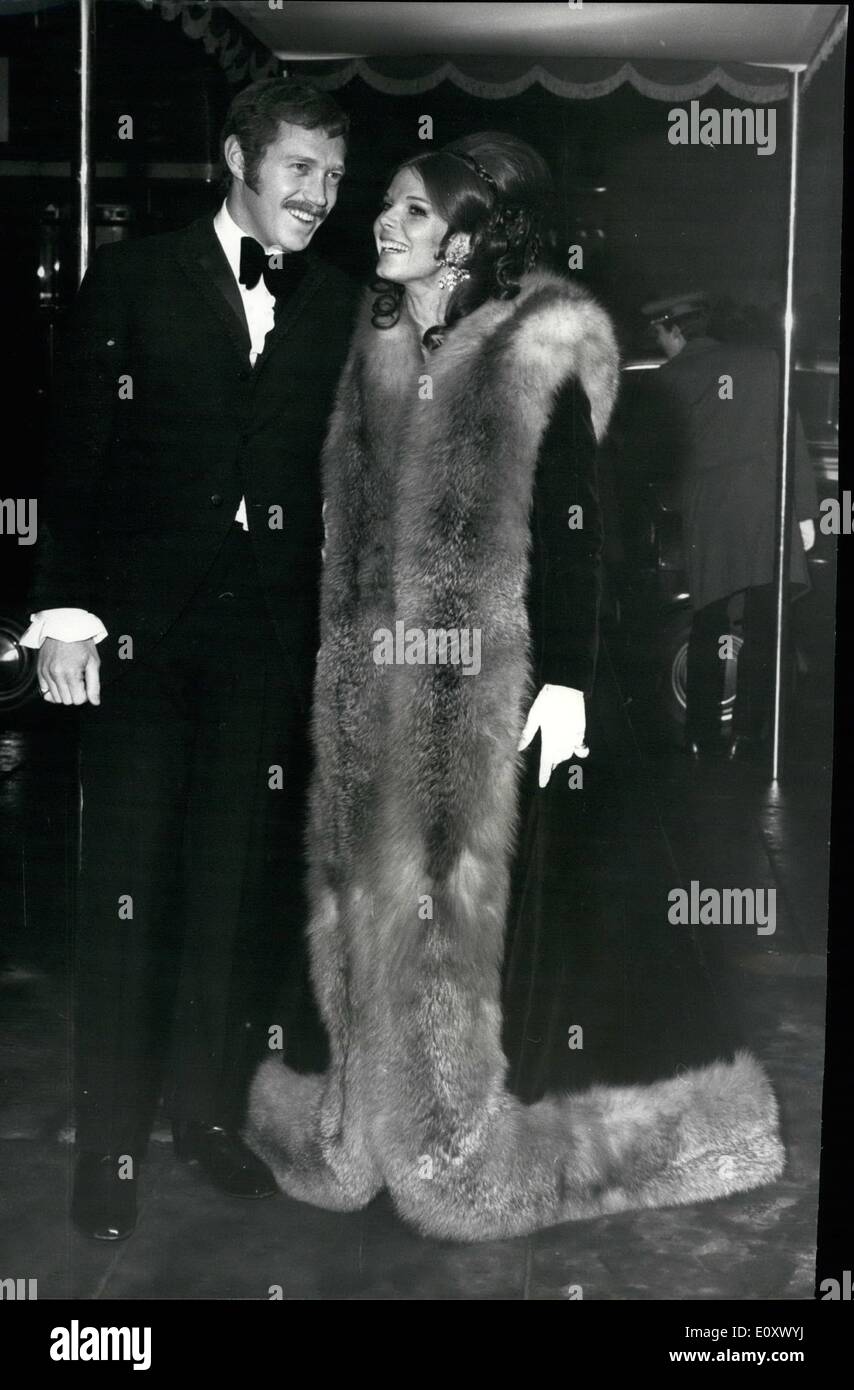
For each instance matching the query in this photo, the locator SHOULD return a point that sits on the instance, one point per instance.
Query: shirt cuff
(65, 625)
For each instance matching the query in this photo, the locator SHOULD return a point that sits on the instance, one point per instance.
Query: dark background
(649, 215)
(717, 216)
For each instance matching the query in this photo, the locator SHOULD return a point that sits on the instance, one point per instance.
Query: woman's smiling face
(408, 232)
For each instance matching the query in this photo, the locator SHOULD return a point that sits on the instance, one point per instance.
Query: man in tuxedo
(176, 603)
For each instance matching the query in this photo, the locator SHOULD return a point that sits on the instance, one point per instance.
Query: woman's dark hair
(256, 113)
(499, 190)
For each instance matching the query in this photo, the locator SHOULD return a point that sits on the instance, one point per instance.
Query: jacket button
(216, 500)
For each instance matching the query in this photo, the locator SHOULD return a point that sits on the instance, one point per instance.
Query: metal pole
(84, 165)
(786, 472)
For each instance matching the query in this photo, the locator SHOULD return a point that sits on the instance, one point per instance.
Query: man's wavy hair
(257, 112)
(499, 190)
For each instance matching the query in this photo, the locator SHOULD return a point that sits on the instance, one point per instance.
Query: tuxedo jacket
(159, 425)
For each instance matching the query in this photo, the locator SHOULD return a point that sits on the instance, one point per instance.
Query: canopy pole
(84, 161)
(786, 470)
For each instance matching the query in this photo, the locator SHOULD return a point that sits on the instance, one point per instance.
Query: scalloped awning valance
(498, 51)
(583, 79)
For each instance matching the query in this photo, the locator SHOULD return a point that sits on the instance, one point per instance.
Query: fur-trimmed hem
(709, 1133)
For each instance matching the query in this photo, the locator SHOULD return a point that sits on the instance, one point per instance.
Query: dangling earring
(454, 258)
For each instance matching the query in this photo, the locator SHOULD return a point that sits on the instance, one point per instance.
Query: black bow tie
(281, 270)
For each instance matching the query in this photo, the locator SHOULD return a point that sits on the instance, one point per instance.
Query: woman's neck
(426, 304)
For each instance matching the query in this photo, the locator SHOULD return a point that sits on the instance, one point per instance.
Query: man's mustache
(306, 207)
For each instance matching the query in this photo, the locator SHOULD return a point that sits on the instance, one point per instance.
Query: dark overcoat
(722, 443)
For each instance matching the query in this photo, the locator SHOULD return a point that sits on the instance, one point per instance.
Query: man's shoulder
(757, 355)
(153, 249)
(709, 354)
(733, 350)
(751, 363)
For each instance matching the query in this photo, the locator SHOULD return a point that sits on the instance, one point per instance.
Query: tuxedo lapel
(290, 312)
(205, 262)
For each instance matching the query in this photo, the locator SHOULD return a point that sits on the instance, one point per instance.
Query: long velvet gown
(589, 945)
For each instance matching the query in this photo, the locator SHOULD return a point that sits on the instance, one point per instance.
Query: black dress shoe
(103, 1203)
(746, 748)
(704, 748)
(224, 1157)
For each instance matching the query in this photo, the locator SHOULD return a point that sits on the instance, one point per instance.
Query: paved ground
(718, 824)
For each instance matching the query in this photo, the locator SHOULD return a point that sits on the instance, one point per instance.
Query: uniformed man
(719, 426)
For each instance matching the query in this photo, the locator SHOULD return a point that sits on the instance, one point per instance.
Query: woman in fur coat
(459, 615)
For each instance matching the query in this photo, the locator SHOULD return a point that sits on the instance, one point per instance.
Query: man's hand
(807, 533)
(68, 672)
(558, 713)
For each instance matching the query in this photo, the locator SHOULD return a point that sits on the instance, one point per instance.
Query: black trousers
(189, 911)
(705, 673)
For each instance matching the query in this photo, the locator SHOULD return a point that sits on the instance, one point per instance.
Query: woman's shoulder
(561, 331)
(556, 312)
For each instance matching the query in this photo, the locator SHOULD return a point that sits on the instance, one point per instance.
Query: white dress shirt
(76, 624)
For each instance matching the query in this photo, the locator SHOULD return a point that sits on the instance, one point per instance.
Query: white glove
(558, 713)
(807, 534)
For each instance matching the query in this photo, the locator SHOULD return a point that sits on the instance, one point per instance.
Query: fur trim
(413, 810)
(704, 1135)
